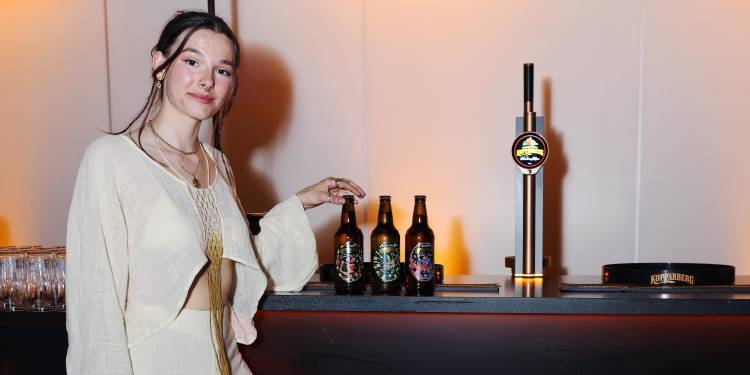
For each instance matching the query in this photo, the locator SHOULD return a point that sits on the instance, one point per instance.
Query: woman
(162, 274)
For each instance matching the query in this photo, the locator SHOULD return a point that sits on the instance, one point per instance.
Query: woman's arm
(96, 271)
(286, 244)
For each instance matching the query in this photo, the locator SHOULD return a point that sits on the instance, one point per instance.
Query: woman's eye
(224, 72)
(191, 62)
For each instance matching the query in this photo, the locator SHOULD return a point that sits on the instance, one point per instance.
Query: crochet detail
(208, 212)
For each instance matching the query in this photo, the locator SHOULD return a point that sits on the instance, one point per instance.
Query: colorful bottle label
(386, 262)
(349, 262)
(421, 261)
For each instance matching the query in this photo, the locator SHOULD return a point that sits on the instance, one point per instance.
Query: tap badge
(530, 151)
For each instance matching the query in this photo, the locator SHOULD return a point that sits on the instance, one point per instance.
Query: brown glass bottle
(385, 252)
(419, 261)
(348, 252)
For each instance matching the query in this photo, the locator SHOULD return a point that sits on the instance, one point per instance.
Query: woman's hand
(329, 190)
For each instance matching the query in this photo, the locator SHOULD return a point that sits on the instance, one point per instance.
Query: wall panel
(298, 115)
(444, 84)
(53, 102)
(419, 97)
(694, 181)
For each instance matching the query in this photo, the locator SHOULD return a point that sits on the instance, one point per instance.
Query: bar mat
(484, 288)
(489, 288)
(654, 289)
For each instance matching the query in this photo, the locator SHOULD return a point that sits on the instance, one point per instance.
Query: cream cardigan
(134, 249)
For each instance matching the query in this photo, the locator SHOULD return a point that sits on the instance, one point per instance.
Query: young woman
(163, 276)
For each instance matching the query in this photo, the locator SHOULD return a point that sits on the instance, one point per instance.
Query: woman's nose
(206, 82)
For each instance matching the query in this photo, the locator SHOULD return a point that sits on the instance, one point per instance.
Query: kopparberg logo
(672, 278)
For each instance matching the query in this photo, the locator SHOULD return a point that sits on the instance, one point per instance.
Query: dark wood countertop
(514, 297)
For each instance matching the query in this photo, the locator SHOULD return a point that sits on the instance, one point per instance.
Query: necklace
(169, 146)
(195, 182)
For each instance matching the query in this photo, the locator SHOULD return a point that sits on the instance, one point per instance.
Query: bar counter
(519, 297)
(518, 327)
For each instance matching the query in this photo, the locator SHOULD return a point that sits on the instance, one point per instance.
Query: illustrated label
(421, 261)
(349, 262)
(529, 150)
(386, 262)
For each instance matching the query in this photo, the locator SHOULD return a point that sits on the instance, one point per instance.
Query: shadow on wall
(4, 232)
(324, 235)
(259, 116)
(450, 249)
(554, 173)
(455, 256)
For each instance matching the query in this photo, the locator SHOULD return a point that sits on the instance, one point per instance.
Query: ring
(338, 182)
(328, 198)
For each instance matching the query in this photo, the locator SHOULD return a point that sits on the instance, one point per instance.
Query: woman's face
(199, 80)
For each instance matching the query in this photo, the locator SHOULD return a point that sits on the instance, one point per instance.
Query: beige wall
(694, 181)
(418, 97)
(53, 100)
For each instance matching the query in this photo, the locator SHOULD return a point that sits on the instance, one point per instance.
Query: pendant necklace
(168, 145)
(195, 183)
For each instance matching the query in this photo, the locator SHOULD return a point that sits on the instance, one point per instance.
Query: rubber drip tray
(663, 278)
(668, 274)
(480, 288)
(605, 288)
(328, 272)
(328, 275)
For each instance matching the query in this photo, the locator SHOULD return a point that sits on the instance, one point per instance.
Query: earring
(158, 83)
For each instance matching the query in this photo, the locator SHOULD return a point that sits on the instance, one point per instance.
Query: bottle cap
(420, 197)
(385, 197)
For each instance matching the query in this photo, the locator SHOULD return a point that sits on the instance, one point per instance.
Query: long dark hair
(191, 21)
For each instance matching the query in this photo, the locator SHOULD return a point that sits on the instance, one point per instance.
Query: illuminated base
(510, 262)
(528, 275)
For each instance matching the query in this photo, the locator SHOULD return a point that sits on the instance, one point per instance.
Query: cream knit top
(135, 244)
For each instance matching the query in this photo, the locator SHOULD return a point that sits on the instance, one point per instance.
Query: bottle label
(421, 260)
(349, 262)
(386, 262)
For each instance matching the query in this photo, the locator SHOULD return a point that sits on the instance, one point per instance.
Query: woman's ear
(157, 58)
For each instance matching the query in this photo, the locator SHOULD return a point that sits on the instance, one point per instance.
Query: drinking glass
(40, 274)
(59, 278)
(12, 279)
(5, 278)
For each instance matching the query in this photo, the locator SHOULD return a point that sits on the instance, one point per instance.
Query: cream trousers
(186, 347)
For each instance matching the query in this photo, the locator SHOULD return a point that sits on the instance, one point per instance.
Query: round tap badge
(530, 150)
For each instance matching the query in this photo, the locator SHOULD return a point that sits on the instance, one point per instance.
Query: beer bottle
(419, 262)
(348, 252)
(385, 250)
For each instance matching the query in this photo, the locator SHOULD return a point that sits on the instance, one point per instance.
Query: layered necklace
(169, 146)
(162, 142)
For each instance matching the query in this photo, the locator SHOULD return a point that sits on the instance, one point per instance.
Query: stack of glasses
(32, 278)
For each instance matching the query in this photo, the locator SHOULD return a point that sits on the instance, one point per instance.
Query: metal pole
(529, 180)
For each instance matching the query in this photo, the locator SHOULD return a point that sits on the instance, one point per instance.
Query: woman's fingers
(346, 184)
(335, 199)
(337, 196)
(330, 190)
(352, 187)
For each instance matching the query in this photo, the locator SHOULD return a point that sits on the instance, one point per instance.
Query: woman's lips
(202, 98)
